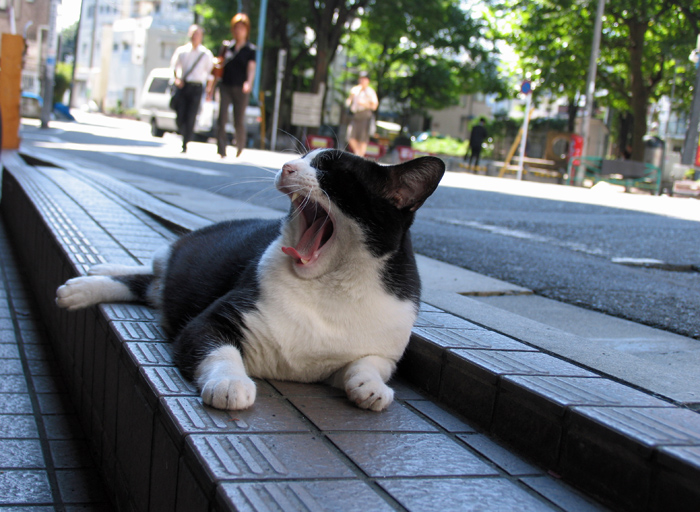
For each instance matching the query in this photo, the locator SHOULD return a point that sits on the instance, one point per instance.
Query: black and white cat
(328, 294)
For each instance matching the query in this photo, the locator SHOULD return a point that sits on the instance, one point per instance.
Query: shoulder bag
(176, 92)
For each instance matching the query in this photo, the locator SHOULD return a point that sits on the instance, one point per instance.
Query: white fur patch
(222, 378)
(82, 292)
(113, 269)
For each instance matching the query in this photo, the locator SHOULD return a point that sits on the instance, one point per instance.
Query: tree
(640, 39)
(424, 61)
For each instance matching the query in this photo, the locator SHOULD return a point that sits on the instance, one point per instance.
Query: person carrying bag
(189, 85)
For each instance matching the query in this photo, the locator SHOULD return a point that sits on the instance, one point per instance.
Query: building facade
(29, 18)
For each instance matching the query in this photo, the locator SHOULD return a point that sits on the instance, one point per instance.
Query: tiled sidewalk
(44, 459)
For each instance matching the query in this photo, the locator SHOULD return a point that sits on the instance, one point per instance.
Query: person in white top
(362, 103)
(191, 65)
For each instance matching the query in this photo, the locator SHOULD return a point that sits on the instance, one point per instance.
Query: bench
(640, 175)
(303, 446)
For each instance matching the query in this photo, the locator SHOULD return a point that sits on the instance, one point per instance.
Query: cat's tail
(109, 283)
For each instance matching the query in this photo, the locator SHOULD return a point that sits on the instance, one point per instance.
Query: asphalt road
(560, 242)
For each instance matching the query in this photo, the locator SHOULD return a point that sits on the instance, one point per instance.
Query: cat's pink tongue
(310, 242)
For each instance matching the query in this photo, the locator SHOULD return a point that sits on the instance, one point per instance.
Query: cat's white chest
(305, 330)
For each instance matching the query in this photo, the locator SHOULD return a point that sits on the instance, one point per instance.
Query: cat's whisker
(296, 140)
(221, 188)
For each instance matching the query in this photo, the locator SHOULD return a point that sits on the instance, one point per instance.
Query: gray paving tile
(675, 484)
(55, 403)
(13, 384)
(40, 352)
(157, 353)
(71, 453)
(262, 457)
(647, 426)
(24, 487)
(289, 389)
(444, 321)
(268, 414)
(484, 340)
(503, 458)
(80, 486)
(409, 455)
(127, 312)
(18, 426)
(7, 335)
(502, 362)
(139, 331)
(167, 381)
(15, 403)
(463, 495)
(570, 391)
(440, 416)
(63, 426)
(21, 454)
(332, 413)
(11, 367)
(48, 384)
(561, 494)
(331, 496)
(9, 351)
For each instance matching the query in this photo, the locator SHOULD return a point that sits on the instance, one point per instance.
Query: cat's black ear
(412, 182)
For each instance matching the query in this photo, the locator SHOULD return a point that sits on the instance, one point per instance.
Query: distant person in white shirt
(362, 103)
(191, 64)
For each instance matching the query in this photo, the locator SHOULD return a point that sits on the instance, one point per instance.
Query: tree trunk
(639, 91)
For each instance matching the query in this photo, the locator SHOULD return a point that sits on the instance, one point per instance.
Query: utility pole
(49, 66)
(590, 89)
(690, 146)
(261, 43)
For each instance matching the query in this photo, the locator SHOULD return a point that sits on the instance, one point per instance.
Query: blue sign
(526, 87)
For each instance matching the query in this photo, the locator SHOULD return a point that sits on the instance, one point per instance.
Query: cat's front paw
(232, 393)
(79, 293)
(369, 394)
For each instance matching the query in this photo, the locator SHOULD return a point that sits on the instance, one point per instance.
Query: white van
(154, 108)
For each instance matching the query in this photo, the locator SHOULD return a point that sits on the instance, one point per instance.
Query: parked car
(154, 109)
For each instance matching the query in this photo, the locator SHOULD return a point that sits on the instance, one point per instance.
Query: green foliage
(442, 146)
(427, 60)
(642, 43)
(62, 80)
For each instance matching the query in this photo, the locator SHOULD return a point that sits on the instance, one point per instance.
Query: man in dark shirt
(476, 140)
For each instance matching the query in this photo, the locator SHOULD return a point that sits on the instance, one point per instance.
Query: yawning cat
(328, 294)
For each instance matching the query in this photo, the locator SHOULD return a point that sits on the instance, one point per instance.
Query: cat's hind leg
(364, 382)
(223, 380)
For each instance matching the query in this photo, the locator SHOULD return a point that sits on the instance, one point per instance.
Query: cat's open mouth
(315, 226)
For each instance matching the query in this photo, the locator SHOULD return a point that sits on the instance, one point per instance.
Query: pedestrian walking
(476, 141)
(362, 103)
(234, 74)
(191, 65)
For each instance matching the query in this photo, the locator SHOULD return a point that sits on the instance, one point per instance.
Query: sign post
(281, 64)
(526, 89)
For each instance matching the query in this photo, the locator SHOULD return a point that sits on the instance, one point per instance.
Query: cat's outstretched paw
(369, 394)
(81, 292)
(231, 393)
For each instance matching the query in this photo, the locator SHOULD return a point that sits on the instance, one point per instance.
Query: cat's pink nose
(288, 169)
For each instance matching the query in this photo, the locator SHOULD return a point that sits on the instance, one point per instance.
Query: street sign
(526, 87)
